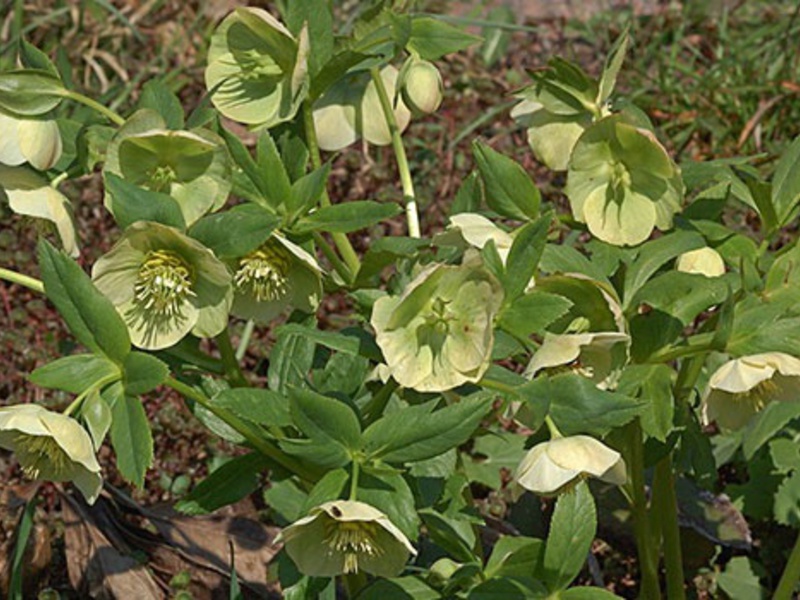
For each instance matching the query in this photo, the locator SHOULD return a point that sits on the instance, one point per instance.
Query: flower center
(162, 177)
(264, 272)
(163, 284)
(759, 396)
(40, 453)
(352, 538)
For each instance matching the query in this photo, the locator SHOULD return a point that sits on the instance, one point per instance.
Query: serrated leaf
(787, 501)
(252, 223)
(740, 579)
(259, 406)
(143, 373)
(533, 312)
(236, 479)
(130, 203)
(523, 258)
(653, 384)
(276, 185)
(416, 433)
(401, 588)
(572, 531)
(90, 316)
(508, 189)
(766, 424)
(324, 418)
(514, 556)
(156, 95)
(131, 438)
(389, 493)
(490, 454)
(432, 38)
(290, 360)
(76, 373)
(347, 217)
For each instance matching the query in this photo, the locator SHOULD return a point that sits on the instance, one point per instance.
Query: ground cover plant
(481, 397)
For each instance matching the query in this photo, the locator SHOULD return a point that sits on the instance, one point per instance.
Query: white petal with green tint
(36, 141)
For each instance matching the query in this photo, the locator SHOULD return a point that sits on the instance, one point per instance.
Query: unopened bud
(421, 85)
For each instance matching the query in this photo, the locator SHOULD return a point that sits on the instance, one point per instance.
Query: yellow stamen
(264, 272)
(352, 538)
(40, 453)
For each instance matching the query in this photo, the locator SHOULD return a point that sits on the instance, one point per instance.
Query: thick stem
(264, 446)
(244, 341)
(354, 466)
(409, 196)
(665, 511)
(24, 280)
(103, 110)
(342, 243)
(790, 576)
(648, 561)
(233, 373)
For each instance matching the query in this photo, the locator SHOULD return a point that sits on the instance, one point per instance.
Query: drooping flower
(347, 536)
(552, 466)
(351, 109)
(704, 261)
(438, 334)
(165, 285)
(257, 70)
(743, 386)
(476, 230)
(193, 167)
(622, 183)
(35, 141)
(420, 84)
(275, 275)
(29, 194)
(51, 446)
(598, 356)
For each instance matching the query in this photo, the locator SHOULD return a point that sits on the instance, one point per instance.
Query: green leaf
(469, 195)
(508, 189)
(319, 17)
(766, 424)
(290, 360)
(384, 252)
(22, 533)
(740, 579)
(415, 433)
(508, 588)
(96, 414)
(30, 92)
(156, 95)
(614, 60)
(130, 203)
(497, 38)
(90, 316)
(523, 258)
(322, 452)
(653, 384)
(560, 258)
(131, 438)
(786, 183)
(514, 556)
(307, 191)
(252, 223)
(399, 588)
(787, 501)
(584, 593)
(490, 454)
(388, 492)
(683, 296)
(76, 373)
(330, 487)
(653, 255)
(143, 373)
(533, 312)
(236, 479)
(324, 418)
(578, 406)
(572, 531)
(258, 406)
(33, 58)
(453, 535)
(431, 38)
(347, 217)
(276, 184)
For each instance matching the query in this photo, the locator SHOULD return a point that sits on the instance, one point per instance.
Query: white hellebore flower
(477, 231)
(551, 466)
(35, 141)
(345, 536)
(743, 386)
(51, 446)
(704, 261)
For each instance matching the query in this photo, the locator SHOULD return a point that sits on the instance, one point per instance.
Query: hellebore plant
(402, 386)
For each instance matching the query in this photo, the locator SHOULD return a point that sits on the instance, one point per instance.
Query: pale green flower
(346, 536)
(550, 467)
(439, 333)
(421, 85)
(191, 166)
(276, 275)
(51, 446)
(257, 71)
(29, 194)
(742, 387)
(704, 261)
(477, 231)
(622, 183)
(35, 141)
(598, 356)
(165, 285)
(350, 109)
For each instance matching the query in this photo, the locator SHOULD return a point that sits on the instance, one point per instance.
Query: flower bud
(421, 85)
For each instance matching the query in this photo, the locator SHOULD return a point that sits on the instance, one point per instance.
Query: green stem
(24, 280)
(648, 562)
(696, 345)
(409, 196)
(665, 511)
(790, 576)
(86, 101)
(551, 425)
(354, 480)
(75, 404)
(244, 341)
(264, 446)
(338, 265)
(342, 243)
(233, 373)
